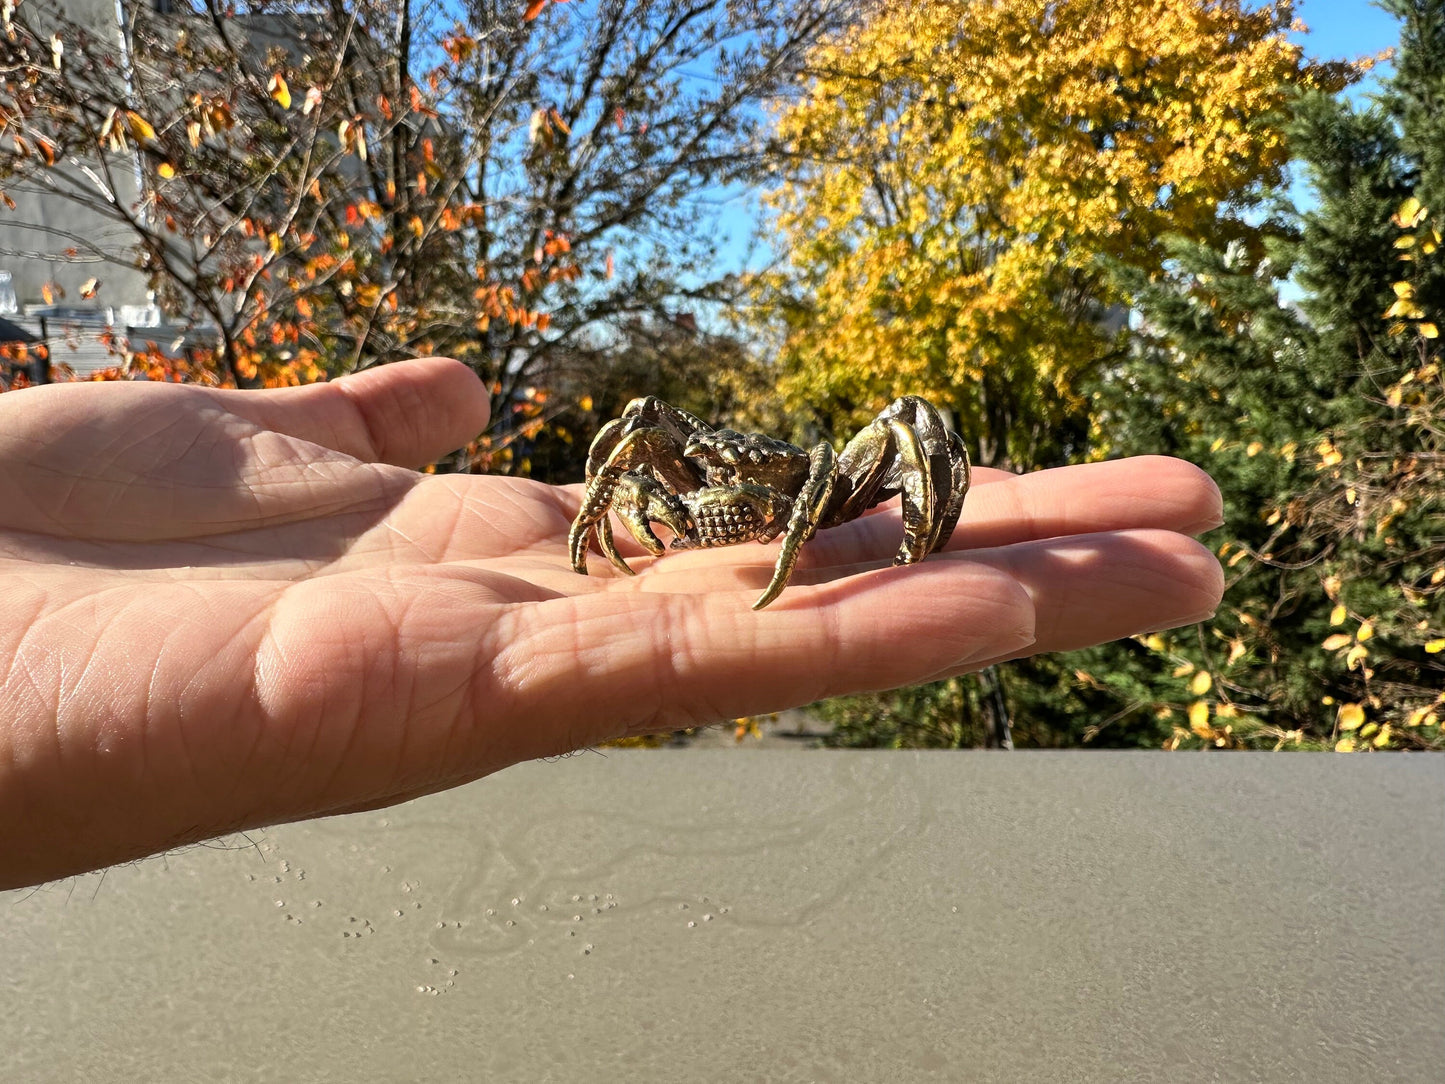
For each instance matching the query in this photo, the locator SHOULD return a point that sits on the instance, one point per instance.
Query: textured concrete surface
(830, 916)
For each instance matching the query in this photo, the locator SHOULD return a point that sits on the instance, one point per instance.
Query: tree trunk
(998, 727)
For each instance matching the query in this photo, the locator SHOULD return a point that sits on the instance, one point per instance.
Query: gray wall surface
(49, 238)
(779, 916)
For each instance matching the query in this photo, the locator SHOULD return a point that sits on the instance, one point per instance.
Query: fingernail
(1003, 643)
(1204, 526)
(1185, 622)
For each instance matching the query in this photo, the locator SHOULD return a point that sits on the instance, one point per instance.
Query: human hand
(227, 609)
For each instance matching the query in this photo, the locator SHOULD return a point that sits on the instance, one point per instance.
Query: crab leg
(657, 449)
(946, 458)
(960, 473)
(861, 468)
(888, 455)
(594, 509)
(917, 487)
(807, 511)
(609, 548)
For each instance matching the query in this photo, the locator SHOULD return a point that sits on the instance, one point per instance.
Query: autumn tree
(329, 186)
(959, 169)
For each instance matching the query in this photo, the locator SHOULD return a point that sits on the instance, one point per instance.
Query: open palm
(227, 609)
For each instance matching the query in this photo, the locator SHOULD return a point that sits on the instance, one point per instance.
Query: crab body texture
(718, 487)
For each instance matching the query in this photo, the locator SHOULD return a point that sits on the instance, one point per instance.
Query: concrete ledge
(700, 915)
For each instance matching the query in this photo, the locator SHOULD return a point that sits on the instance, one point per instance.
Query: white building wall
(49, 238)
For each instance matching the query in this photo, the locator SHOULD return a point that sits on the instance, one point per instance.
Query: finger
(1092, 589)
(146, 461)
(1085, 590)
(599, 665)
(1145, 492)
(409, 413)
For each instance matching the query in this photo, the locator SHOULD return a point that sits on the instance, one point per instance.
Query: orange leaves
(279, 91)
(208, 117)
(43, 147)
(419, 105)
(536, 7)
(546, 126)
(496, 302)
(368, 209)
(15, 352)
(459, 46)
(468, 214)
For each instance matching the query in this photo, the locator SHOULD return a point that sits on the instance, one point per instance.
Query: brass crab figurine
(659, 464)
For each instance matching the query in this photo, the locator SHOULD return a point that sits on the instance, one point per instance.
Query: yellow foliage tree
(963, 170)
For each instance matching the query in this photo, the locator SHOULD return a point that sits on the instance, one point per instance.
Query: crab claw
(640, 502)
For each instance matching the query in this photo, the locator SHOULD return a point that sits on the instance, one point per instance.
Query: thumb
(408, 413)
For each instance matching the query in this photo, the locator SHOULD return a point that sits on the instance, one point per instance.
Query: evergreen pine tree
(1322, 421)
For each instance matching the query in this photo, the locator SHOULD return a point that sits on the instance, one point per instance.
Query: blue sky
(1345, 29)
